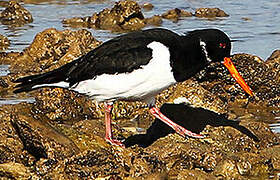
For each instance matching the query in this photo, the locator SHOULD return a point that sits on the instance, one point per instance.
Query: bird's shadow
(193, 119)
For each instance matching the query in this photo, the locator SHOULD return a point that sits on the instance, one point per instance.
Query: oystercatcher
(137, 66)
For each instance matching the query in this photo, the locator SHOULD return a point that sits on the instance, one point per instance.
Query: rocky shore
(127, 16)
(60, 135)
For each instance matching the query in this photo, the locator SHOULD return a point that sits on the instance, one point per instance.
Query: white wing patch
(59, 84)
(140, 84)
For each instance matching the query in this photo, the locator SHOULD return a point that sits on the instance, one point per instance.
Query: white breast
(140, 84)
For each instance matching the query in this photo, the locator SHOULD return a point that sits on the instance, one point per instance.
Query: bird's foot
(179, 129)
(115, 142)
(186, 133)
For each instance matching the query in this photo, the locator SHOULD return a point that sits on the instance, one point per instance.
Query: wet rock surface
(15, 15)
(210, 13)
(275, 56)
(127, 16)
(4, 42)
(155, 20)
(60, 135)
(35, 147)
(4, 3)
(262, 77)
(52, 48)
(147, 6)
(175, 14)
(124, 16)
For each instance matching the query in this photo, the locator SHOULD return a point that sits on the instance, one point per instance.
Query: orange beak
(233, 71)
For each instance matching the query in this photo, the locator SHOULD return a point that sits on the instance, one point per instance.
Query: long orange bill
(233, 71)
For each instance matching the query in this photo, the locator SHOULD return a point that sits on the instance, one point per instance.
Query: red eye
(222, 45)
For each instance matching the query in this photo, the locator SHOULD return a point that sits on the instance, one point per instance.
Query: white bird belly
(140, 84)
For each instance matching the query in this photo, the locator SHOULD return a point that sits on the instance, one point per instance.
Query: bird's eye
(222, 45)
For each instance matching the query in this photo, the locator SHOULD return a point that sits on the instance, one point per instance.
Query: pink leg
(108, 132)
(179, 129)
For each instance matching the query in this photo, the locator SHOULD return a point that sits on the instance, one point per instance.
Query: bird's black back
(121, 54)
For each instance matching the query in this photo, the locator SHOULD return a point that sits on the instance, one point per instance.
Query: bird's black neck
(189, 60)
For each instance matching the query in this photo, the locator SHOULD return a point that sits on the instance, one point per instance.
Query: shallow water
(254, 24)
(276, 125)
(259, 35)
(4, 70)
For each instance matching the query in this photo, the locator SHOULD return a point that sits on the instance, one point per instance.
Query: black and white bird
(136, 67)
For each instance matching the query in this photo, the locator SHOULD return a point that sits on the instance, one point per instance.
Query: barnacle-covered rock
(15, 15)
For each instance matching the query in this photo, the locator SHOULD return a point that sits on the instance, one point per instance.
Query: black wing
(121, 54)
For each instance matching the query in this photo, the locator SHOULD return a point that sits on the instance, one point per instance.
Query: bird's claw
(186, 133)
(115, 142)
(179, 129)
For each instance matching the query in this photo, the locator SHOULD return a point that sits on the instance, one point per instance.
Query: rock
(7, 58)
(79, 22)
(39, 138)
(51, 49)
(175, 14)
(184, 13)
(15, 15)
(147, 6)
(4, 3)
(154, 20)
(124, 16)
(4, 42)
(12, 170)
(108, 163)
(194, 94)
(210, 13)
(218, 154)
(246, 19)
(52, 150)
(248, 165)
(194, 174)
(62, 105)
(73, 150)
(11, 149)
(262, 78)
(272, 153)
(227, 168)
(3, 83)
(274, 56)
(30, 139)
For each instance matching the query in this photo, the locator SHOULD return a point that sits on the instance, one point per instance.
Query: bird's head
(216, 47)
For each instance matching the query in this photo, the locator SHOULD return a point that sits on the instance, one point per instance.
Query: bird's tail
(55, 78)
